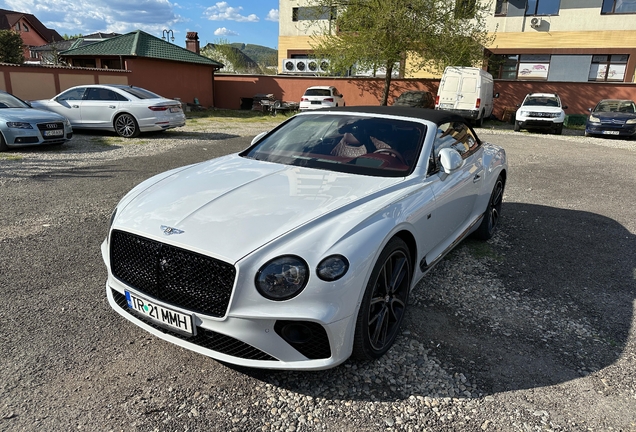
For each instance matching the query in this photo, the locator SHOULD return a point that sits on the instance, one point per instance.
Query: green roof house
(153, 63)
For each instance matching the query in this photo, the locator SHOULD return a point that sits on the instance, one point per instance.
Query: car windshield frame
(620, 105)
(353, 143)
(7, 100)
(542, 101)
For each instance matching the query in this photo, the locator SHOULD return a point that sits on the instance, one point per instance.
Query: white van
(466, 91)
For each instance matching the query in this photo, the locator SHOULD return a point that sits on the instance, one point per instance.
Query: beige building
(543, 40)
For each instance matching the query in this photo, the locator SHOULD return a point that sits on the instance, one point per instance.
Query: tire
(559, 129)
(493, 212)
(384, 302)
(517, 126)
(480, 121)
(126, 126)
(3, 145)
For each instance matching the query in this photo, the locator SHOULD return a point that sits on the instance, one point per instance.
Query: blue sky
(247, 21)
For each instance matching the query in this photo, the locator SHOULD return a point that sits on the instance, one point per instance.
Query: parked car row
(126, 110)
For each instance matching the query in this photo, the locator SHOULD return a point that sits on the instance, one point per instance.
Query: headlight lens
(19, 125)
(523, 113)
(631, 121)
(594, 119)
(332, 268)
(282, 278)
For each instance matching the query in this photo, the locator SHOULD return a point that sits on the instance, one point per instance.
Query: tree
(233, 59)
(11, 47)
(378, 34)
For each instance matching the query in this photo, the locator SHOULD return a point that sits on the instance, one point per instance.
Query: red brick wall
(367, 91)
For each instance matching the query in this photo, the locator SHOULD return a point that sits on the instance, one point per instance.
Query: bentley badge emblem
(169, 230)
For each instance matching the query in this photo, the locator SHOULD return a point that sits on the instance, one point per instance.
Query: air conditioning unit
(535, 22)
(289, 65)
(323, 65)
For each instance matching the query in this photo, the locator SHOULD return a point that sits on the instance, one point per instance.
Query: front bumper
(256, 340)
(539, 123)
(600, 129)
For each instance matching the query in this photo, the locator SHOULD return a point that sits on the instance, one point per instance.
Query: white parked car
(301, 250)
(127, 110)
(541, 111)
(321, 97)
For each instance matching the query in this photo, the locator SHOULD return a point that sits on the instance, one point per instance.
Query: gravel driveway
(531, 331)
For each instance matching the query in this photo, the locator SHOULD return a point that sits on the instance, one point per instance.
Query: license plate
(446, 106)
(611, 132)
(316, 102)
(56, 132)
(168, 317)
(175, 109)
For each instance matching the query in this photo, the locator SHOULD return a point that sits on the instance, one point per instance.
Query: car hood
(30, 115)
(231, 206)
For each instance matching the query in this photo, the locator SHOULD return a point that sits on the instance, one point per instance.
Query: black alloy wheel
(493, 212)
(384, 302)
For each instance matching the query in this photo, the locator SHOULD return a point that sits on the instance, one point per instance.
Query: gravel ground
(530, 331)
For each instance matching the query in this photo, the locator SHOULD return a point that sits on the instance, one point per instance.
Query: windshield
(625, 106)
(549, 101)
(344, 143)
(10, 101)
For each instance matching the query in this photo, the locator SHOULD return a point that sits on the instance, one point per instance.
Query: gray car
(21, 125)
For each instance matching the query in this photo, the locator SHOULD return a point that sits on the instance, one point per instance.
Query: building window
(534, 67)
(25, 28)
(17, 26)
(33, 54)
(503, 66)
(465, 9)
(111, 64)
(501, 8)
(618, 6)
(608, 68)
(543, 7)
(313, 13)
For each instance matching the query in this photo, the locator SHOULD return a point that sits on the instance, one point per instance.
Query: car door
(68, 104)
(455, 193)
(99, 107)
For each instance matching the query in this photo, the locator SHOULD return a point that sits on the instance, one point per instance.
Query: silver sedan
(127, 110)
(21, 125)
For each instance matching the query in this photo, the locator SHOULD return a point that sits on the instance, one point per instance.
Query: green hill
(260, 54)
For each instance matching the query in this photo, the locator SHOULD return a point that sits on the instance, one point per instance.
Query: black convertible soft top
(436, 116)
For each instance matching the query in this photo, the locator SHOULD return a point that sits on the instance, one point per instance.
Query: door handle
(75, 106)
(476, 178)
(111, 106)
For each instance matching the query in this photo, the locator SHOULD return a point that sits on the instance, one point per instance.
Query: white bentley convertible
(300, 251)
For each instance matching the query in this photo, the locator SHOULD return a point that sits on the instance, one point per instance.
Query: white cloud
(272, 15)
(222, 31)
(224, 12)
(89, 16)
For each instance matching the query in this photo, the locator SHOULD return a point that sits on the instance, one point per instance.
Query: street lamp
(167, 33)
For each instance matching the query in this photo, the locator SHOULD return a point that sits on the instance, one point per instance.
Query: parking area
(531, 331)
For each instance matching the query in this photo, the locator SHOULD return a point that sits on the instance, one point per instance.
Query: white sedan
(321, 97)
(127, 110)
(301, 251)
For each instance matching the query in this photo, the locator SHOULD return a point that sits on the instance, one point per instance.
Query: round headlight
(332, 268)
(282, 278)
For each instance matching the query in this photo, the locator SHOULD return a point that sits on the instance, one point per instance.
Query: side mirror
(589, 109)
(564, 107)
(496, 95)
(518, 105)
(258, 137)
(450, 159)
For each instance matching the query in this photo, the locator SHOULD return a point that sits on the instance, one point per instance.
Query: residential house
(49, 53)
(535, 40)
(155, 64)
(32, 31)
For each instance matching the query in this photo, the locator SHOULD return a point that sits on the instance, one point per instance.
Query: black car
(612, 117)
